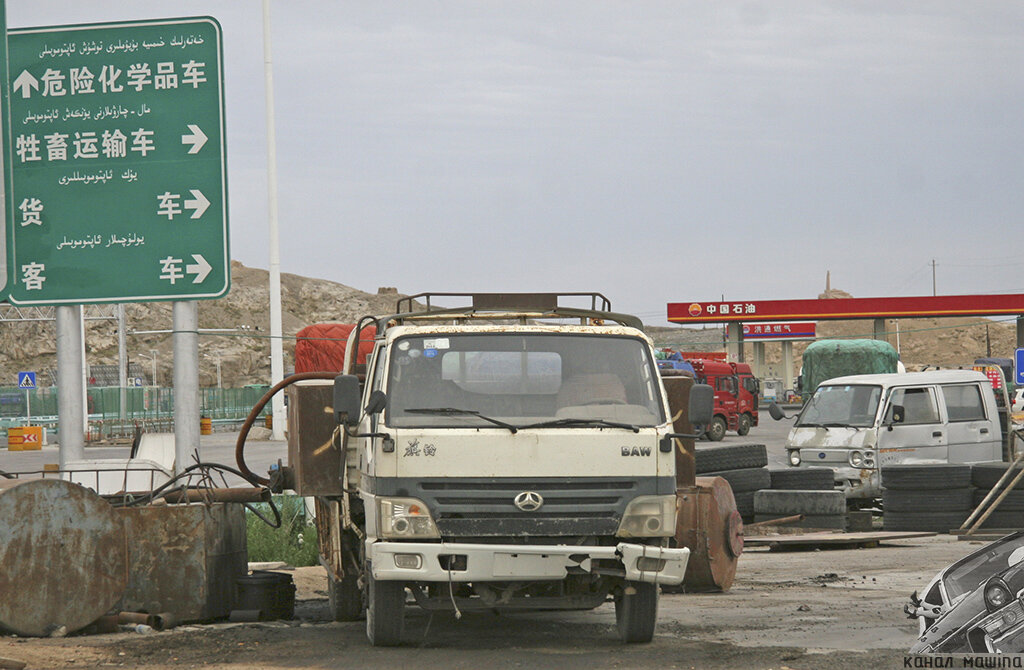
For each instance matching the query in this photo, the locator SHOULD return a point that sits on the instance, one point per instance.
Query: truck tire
(1013, 502)
(745, 505)
(824, 521)
(951, 500)
(926, 476)
(716, 429)
(744, 479)
(385, 611)
(987, 475)
(803, 479)
(731, 457)
(786, 503)
(636, 612)
(743, 424)
(934, 522)
(345, 598)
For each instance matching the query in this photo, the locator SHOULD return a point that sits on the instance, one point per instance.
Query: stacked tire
(821, 509)
(743, 466)
(1010, 513)
(803, 479)
(934, 497)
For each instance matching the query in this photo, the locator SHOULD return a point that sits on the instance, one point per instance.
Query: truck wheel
(345, 598)
(716, 429)
(385, 611)
(743, 425)
(636, 612)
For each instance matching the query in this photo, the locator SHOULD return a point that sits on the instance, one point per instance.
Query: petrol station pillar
(734, 341)
(787, 366)
(759, 366)
(880, 332)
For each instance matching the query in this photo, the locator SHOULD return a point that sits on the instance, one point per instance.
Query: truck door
(921, 435)
(973, 436)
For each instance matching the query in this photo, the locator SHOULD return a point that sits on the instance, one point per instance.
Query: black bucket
(272, 593)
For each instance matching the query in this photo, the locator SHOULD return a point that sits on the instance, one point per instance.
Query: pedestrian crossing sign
(26, 380)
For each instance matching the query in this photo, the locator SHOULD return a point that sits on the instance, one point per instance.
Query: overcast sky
(653, 151)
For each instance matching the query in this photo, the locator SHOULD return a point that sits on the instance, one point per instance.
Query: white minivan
(859, 423)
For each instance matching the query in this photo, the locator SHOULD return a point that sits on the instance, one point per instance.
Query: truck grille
(486, 507)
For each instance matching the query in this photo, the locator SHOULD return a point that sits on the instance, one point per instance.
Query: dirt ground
(810, 609)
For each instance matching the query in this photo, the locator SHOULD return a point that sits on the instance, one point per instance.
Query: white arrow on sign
(197, 139)
(200, 269)
(26, 82)
(199, 204)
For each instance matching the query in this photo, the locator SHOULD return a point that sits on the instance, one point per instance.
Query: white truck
(514, 454)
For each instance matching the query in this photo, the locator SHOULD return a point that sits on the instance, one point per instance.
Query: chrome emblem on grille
(529, 501)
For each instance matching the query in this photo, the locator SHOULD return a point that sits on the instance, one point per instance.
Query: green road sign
(118, 163)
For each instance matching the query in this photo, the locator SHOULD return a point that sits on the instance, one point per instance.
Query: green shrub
(295, 542)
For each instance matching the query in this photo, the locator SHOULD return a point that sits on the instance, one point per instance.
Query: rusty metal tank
(707, 522)
(62, 552)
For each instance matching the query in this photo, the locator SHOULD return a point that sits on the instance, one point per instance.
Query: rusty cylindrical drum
(708, 523)
(62, 549)
(205, 425)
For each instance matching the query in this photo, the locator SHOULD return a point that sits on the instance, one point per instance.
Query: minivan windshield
(851, 405)
(521, 379)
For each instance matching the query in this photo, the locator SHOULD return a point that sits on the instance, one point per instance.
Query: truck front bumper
(427, 562)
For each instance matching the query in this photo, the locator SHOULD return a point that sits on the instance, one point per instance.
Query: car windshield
(968, 573)
(852, 405)
(475, 380)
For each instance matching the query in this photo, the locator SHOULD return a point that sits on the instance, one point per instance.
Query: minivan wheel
(716, 429)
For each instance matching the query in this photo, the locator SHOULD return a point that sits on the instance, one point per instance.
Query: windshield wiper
(839, 424)
(583, 422)
(455, 411)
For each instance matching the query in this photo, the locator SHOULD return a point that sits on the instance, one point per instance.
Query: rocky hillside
(244, 351)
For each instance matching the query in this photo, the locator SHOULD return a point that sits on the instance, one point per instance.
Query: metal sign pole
(70, 384)
(186, 382)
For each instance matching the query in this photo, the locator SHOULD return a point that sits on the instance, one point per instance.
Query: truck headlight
(649, 516)
(856, 459)
(405, 518)
(794, 457)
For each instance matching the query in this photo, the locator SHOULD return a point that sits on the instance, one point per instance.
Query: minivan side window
(918, 405)
(964, 403)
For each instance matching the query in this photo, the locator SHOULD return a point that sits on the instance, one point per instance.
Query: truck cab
(748, 395)
(514, 454)
(721, 376)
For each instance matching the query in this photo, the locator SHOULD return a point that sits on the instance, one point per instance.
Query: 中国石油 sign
(118, 164)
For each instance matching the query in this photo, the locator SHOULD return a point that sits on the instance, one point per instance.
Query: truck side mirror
(776, 412)
(702, 404)
(346, 400)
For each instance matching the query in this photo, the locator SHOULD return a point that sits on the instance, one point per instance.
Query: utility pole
(933, 278)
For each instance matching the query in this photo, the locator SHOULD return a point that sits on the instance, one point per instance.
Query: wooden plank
(830, 539)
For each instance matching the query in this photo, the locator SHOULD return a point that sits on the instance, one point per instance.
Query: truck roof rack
(503, 306)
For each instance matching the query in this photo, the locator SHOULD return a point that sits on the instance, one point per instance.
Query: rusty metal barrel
(708, 523)
(62, 549)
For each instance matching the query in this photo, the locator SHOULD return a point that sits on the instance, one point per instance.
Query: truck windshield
(847, 405)
(478, 379)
